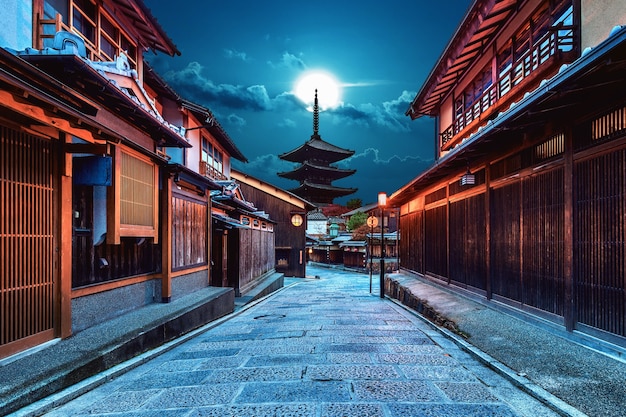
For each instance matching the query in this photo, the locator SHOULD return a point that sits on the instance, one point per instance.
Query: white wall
(16, 29)
(598, 17)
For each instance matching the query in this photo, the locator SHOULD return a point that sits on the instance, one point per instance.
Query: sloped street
(319, 347)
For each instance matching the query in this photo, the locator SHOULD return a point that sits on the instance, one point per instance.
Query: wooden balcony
(210, 172)
(541, 61)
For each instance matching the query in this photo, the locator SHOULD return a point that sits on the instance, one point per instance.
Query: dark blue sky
(241, 59)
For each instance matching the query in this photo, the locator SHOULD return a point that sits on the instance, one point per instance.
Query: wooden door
(28, 219)
(224, 260)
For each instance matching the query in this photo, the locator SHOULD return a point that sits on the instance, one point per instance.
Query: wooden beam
(89, 148)
(166, 242)
(50, 124)
(65, 242)
(568, 234)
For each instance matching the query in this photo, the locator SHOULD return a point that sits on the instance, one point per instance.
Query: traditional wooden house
(525, 203)
(288, 212)
(93, 197)
(316, 171)
(192, 176)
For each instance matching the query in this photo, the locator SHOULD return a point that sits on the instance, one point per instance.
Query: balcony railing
(556, 41)
(210, 172)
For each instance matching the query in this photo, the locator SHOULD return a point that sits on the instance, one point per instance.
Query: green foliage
(356, 220)
(354, 203)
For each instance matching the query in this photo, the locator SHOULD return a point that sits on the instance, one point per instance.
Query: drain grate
(270, 317)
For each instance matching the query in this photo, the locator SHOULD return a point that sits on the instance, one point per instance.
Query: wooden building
(105, 181)
(288, 213)
(316, 171)
(525, 203)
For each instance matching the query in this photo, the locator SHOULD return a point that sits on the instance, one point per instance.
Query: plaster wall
(16, 31)
(598, 17)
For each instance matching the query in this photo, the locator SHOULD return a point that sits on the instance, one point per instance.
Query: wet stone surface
(321, 347)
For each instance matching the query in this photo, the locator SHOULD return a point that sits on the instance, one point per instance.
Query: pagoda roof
(316, 148)
(308, 169)
(321, 193)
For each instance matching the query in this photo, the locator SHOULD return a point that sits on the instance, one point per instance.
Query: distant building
(316, 171)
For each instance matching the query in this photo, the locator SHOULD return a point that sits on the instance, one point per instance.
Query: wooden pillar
(448, 280)
(65, 240)
(488, 231)
(569, 313)
(209, 237)
(166, 240)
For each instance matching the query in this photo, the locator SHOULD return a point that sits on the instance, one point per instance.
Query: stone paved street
(320, 347)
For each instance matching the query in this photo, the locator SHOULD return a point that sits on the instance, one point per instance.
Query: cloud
(191, 84)
(234, 54)
(235, 120)
(289, 61)
(287, 123)
(389, 114)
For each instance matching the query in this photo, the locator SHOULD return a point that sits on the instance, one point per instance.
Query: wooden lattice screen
(137, 192)
(189, 233)
(27, 167)
(599, 242)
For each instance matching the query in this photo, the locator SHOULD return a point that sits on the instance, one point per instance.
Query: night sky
(242, 60)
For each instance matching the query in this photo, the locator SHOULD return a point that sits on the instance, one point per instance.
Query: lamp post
(372, 221)
(382, 202)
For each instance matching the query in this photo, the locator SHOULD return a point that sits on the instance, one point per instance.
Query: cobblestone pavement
(320, 347)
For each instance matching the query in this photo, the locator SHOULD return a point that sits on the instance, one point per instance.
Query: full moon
(327, 89)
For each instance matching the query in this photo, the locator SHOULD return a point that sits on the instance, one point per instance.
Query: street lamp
(382, 202)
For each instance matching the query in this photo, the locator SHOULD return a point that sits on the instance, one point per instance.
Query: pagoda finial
(316, 115)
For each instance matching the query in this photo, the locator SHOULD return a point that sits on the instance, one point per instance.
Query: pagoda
(316, 171)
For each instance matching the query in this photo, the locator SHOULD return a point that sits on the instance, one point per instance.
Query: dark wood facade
(542, 228)
(290, 239)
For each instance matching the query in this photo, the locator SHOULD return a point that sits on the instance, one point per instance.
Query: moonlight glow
(327, 89)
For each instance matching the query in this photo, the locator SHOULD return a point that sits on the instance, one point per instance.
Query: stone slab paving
(320, 347)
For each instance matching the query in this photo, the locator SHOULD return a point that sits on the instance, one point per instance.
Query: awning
(227, 222)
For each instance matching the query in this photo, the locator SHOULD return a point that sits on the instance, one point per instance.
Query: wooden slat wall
(27, 209)
(468, 242)
(599, 253)
(505, 241)
(411, 241)
(435, 238)
(256, 255)
(189, 233)
(543, 246)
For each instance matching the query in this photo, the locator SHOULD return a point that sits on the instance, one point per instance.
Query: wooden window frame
(115, 228)
(94, 46)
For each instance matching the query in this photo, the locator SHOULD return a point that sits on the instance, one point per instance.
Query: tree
(357, 219)
(354, 203)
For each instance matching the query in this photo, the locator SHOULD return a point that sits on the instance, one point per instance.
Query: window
(212, 163)
(104, 40)
(133, 199)
(207, 151)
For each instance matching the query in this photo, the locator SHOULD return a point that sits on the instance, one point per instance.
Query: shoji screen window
(133, 208)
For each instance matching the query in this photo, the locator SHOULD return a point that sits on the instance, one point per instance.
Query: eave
(74, 72)
(211, 124)
(139, 21)
(322, 189)
(316, 148)
(308, 169)
(480, 25)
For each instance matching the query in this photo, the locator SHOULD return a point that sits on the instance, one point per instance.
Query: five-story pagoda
(316, 171)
